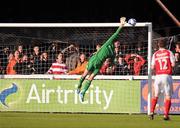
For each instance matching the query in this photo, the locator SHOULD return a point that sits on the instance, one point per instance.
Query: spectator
(20, 50)
(24, 67)
(81, 66)
(107, 68)
(10, 57)
(36, 54)
(124, 49)
(35, 59)
(117, 48)
(4, 59)
(118, 51)
(53, 51)
(177, 64)
(12, 62)
(138, 61)
(58, 67)
(140, 50)
(44, 64)
(177, 49)
(72, 56)
(98, 46)
(121, 67)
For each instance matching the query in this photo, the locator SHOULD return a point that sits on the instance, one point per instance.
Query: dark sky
(87, 11)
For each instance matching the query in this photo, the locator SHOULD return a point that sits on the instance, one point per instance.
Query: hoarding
(103, 96)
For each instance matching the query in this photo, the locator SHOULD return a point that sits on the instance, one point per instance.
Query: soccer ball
(132, 21)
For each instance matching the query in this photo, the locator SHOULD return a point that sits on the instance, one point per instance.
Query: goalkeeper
(96, 61)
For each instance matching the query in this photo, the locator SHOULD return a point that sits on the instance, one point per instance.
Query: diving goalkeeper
(96, 61)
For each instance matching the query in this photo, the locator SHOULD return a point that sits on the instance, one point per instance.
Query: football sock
(80, 82)
(153, 105)
(167, 106)
(87, 85)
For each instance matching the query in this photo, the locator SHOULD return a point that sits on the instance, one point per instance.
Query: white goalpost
(149, 66)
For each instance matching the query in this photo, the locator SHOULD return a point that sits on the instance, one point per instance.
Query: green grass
(50, 120)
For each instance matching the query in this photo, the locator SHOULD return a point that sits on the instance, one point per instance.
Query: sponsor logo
(161, 54)
(6, 92)
(43, 95)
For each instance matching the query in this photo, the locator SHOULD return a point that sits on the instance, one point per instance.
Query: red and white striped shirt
(57, 68)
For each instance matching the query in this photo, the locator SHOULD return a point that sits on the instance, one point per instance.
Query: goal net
(29, 82)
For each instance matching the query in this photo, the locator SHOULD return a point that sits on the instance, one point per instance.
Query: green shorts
(94, 65)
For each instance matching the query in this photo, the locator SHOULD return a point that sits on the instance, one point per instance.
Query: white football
(132, 21)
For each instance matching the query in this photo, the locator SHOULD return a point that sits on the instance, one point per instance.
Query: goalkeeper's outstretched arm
(115, 35)
(121, 25)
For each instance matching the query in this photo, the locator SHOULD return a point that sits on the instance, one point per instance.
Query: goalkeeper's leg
(81, 80)
(88, 83)
(88, 69)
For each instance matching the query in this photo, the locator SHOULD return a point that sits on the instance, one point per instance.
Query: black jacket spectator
(43, 64)
(53, 51)
(177, 64)
(25, 67)
(4, 59)
(35, 59)
(121, 67)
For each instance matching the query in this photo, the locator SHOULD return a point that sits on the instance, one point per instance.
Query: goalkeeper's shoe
(151, 116)
(166, 118)
(81, 95)
(78, 90)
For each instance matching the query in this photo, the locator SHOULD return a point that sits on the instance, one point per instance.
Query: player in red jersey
(163, 62)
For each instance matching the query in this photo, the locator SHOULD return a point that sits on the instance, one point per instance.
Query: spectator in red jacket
(137, 61)
(107, 68)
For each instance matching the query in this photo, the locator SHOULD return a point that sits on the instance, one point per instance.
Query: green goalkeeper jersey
(107, 49)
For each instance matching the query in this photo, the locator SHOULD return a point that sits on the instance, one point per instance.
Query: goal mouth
(39, 91)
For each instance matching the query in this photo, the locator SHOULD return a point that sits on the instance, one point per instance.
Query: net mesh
(41, 46)
(72, 42)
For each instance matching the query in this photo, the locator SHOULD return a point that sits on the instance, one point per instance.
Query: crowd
(72, 61)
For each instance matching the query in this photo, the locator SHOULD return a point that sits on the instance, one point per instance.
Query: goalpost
(79, 32)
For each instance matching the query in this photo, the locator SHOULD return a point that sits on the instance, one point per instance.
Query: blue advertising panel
(175, 106)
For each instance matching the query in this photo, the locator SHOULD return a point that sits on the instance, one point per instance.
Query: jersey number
(163, 64)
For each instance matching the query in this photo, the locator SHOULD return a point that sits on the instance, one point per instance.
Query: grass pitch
(51, 120)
